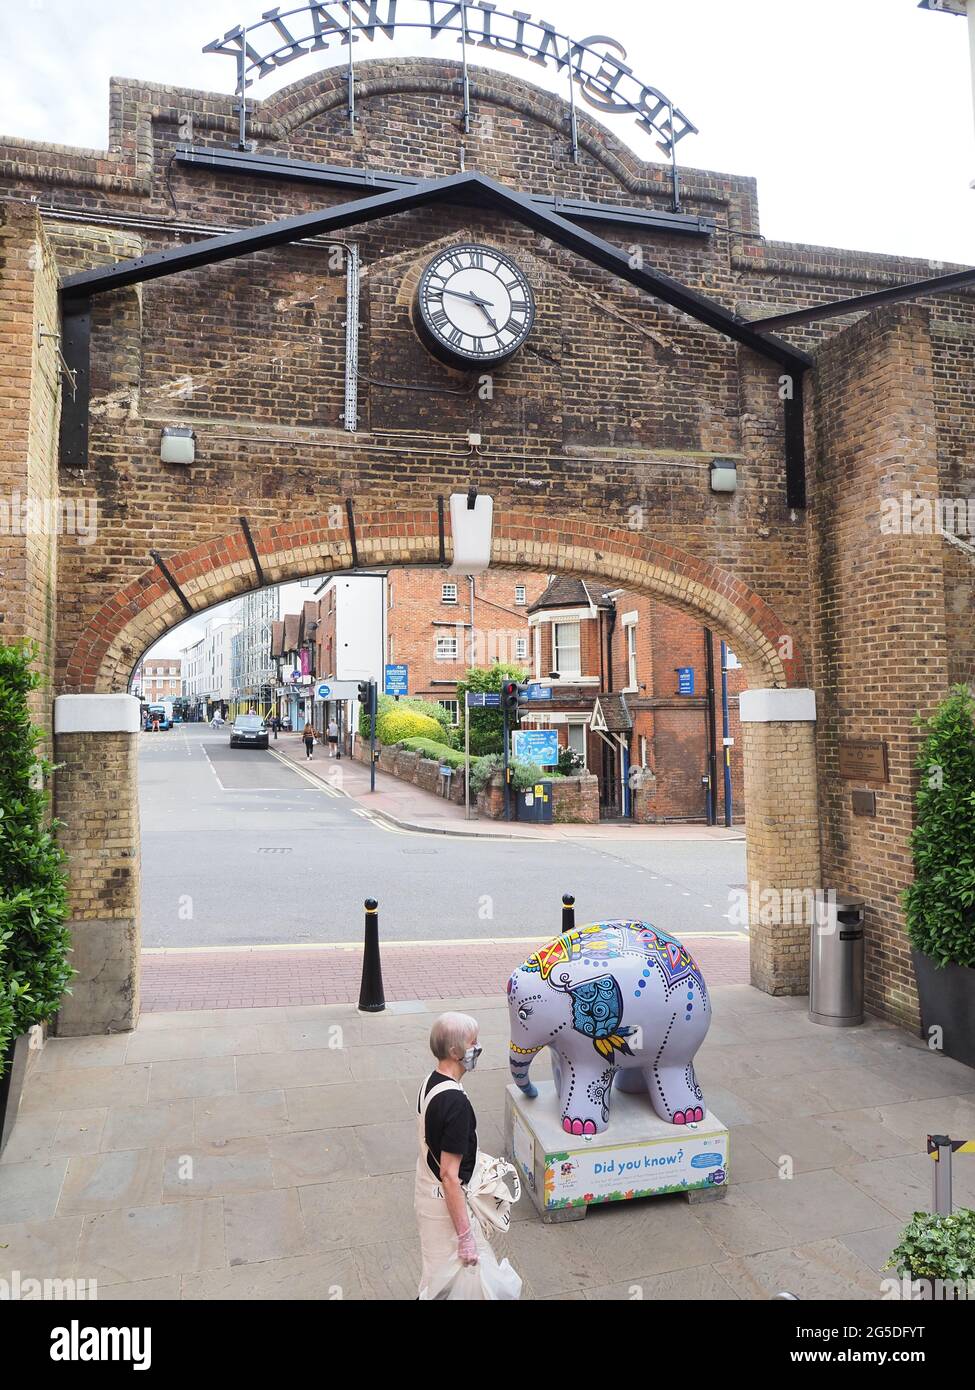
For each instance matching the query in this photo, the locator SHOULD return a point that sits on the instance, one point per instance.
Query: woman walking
(308, 734)
(333, 737)
(452, 1237)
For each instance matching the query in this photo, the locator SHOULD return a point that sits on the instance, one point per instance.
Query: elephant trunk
(520, 1060)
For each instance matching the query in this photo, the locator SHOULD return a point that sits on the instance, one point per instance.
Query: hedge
(431, 749)
(398, 724)
(34, 941)
(429, 708)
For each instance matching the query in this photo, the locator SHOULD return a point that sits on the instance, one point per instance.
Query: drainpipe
(712, 733)
(725, 725)
(610, 629)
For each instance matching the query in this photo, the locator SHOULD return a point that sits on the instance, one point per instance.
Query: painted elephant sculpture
(618, 1003)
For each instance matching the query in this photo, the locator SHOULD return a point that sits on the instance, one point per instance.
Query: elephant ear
(597, 1012)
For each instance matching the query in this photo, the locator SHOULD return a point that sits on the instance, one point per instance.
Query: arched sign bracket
(596, 65)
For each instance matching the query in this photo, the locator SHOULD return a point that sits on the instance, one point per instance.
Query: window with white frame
(448, 593)
(731, 662)
(632, 679)
(521, 596)
(521, 648)
(577, 740)
(566, 648)
(453, 709)
(446, 647)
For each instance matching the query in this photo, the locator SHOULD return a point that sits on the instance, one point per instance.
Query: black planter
(11, 1085)
(947, 998)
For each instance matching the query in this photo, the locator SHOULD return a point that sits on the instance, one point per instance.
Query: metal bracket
(248, 537)
(350, 514)
(168, 576)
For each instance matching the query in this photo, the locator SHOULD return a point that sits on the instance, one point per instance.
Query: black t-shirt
(450, 1126)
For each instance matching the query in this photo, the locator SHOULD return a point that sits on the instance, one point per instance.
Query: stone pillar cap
(777, 706)
(96, 714)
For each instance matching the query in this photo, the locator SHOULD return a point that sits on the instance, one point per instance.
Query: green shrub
(431, 749)
(34, 972)
(940, 903)
(398, 724)
(429, 708)
(482, 770)
(523, 775)
(936, 1247)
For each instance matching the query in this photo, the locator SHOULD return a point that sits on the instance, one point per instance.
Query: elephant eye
(525, 1012)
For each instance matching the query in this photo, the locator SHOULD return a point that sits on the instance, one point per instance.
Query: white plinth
(96, 714)
(638, 1155)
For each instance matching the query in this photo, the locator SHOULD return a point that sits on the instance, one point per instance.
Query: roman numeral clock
(474, 307)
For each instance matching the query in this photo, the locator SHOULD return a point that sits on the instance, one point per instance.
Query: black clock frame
(458, 358)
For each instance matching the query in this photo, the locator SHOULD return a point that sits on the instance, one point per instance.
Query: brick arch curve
(319, 93)
(133, 619)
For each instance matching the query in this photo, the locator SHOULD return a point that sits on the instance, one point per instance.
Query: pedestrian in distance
(333, 738)
(459, 1192)
(275, 727)
(308, 734)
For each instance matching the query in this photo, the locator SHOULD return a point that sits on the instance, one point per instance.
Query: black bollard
(568, 913)
(371, 998)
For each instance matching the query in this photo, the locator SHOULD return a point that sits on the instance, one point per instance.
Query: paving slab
(258, 1153)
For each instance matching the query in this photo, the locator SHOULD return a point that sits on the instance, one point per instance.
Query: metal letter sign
(397, 680)
(596, 65)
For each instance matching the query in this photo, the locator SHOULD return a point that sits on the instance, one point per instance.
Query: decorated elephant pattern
(620, 1004)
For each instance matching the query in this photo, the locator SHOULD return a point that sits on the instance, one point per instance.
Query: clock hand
(482, 304)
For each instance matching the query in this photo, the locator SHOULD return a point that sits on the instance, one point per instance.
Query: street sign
(337, 690)
(539, 746)
(296, 675)
(397, 680)
(536, 692)
(685, 680)
(488, 700)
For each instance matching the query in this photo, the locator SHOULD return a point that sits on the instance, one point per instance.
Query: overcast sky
(854, 115)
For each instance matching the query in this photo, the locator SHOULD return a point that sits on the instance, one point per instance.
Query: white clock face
(474, 305)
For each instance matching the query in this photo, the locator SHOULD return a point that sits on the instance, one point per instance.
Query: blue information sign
(397, 680)
(488, 700)
(539, 746)
(536, 692)
(685, 680)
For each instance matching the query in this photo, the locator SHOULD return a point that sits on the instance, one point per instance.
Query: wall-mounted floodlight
(724, 475)
(177, 444)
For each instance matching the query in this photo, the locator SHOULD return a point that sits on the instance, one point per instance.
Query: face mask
(469, 1059)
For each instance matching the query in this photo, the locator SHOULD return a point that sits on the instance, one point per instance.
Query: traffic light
(367, 695)
(510, 692)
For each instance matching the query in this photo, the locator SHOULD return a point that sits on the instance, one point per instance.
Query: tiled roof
(615, 715)
(277, 639)
(566, 591)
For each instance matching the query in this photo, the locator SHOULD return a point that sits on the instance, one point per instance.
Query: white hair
(451, 1035)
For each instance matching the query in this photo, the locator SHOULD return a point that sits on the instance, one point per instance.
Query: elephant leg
(585, 1096)
(674, 1092)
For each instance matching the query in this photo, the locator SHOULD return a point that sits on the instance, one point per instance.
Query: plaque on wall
(864, 759)
(864, 803)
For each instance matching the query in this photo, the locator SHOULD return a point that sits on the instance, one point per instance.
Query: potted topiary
(940, 903)
(34, 941)
(938, 1254)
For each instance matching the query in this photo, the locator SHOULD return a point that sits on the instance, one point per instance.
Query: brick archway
(135, 618)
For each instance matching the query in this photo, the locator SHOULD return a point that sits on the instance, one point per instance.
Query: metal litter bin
(836, 965)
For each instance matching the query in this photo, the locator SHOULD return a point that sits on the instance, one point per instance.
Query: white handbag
(493, 1187)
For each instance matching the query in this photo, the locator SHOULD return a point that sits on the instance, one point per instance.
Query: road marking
(306, 776)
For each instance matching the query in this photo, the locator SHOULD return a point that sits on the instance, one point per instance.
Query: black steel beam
(795, 446)
(168, 576)
(76, 349)
(917, 289)
(460, 189)
(363, 180)
(350, 516)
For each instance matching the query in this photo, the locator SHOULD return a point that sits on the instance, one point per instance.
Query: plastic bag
(485, 1281)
